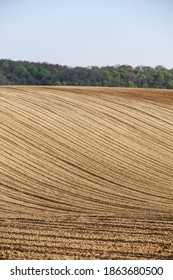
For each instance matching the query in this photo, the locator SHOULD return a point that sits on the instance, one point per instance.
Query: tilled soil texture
(86, 173)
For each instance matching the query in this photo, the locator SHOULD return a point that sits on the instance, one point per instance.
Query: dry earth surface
(86, 173)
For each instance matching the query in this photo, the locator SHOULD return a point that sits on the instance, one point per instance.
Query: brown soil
(86, 173)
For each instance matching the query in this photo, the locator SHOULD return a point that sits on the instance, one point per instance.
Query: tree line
(36, 73)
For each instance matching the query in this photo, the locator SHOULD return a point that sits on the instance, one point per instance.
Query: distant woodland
(36, 73)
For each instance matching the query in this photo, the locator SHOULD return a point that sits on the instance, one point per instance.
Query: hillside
(86, 173)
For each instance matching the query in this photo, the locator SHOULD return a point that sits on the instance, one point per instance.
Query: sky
(88, 32)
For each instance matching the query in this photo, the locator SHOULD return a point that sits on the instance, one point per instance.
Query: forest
(37, 73)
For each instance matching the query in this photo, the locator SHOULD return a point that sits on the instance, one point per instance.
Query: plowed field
(86, 173)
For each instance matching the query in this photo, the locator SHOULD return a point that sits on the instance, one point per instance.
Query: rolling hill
(86, 173)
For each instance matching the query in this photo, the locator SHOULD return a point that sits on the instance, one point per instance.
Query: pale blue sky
(88, 32)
